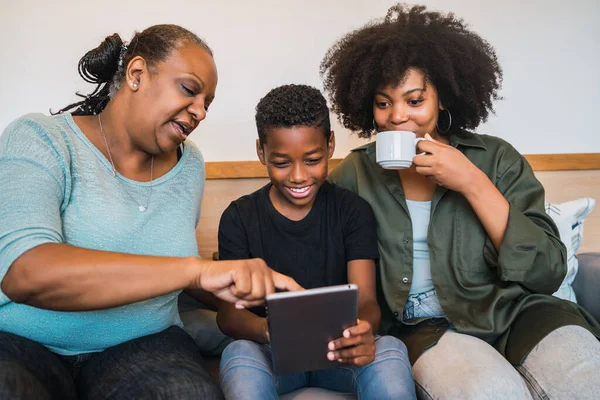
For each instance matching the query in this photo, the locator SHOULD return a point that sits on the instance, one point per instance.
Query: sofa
(583, 278)
(587, 283)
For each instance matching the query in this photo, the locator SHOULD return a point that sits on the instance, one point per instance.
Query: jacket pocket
(469, 242)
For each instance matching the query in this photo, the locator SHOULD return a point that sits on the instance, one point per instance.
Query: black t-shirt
(314, 251)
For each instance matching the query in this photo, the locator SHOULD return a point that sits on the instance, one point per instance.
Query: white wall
(549, 49)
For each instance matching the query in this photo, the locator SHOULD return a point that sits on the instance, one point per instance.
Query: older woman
(99, 210)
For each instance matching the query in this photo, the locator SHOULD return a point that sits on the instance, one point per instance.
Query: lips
(182, 129)
(300, 192)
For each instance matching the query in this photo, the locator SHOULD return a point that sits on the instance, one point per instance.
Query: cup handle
(417, 140)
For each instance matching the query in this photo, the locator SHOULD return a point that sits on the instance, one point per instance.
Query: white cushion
(569, 218)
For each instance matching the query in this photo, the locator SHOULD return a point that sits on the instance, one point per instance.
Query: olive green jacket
(502, 297)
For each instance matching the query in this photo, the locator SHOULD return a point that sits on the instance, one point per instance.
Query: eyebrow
(308, 153)
(422, 90)
(414, 90)
(197, 77)
(202, 85)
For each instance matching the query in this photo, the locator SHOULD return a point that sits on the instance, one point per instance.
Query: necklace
(141, 207)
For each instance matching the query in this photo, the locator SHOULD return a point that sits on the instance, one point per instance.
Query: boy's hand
(356, 346)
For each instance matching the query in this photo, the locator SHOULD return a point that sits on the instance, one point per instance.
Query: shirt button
(405, 280)
(396, 313)
(406, 241)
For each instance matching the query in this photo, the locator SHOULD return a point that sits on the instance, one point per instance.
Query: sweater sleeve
(33, 182)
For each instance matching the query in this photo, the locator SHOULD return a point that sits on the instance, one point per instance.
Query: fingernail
(331, 346)
(330, 356)
(239, 307)
(346, 334)
(428, 136)
(339, 360)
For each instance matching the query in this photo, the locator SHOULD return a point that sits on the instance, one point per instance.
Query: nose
(399, 115)
(197, 111)
(298, 174)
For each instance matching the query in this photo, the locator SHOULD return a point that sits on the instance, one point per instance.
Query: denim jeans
(422, 305)
(247, 373)
(166, 365)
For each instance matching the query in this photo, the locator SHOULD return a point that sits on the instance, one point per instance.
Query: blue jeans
(422, 305)
(247, 373)
(166, 365)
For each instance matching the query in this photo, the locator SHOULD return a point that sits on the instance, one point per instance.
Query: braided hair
(106, 65)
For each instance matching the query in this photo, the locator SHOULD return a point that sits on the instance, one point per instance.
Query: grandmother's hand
(243, 282)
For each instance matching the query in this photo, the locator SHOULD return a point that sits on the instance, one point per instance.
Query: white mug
(396, 149)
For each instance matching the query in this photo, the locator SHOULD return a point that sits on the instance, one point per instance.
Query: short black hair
(106, 64)
(292, 105)
(457, 61)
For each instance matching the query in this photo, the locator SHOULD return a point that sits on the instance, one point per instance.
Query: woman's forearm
(67, 278)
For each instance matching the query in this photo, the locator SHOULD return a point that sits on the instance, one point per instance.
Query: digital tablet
(301, 325)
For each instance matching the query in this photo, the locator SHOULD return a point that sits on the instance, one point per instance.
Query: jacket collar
(467, 139)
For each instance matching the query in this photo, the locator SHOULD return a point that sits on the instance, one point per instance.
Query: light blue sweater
(57, 187)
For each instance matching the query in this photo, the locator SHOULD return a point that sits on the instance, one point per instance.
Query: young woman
(469, 259)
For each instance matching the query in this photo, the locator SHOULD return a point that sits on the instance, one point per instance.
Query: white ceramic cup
(396, 149)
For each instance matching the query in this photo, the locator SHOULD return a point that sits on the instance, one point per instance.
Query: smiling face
(171, 99)
(296, 160)
(411, 105)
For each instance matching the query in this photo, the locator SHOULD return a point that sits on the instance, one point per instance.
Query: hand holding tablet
(356, 346)
(302, 324)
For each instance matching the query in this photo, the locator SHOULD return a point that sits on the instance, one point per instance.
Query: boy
(318, 234)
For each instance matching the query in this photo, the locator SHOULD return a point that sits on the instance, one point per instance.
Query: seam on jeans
(251, 364)
(532, 383)
(359, 394)
(352, 369)
(388, 356)
(423, 391)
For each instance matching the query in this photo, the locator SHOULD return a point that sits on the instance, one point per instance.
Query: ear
(136, 69)
(331, 145)
(441, 106)
(260, 152)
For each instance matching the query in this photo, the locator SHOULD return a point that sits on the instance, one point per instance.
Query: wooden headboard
(560, 186)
